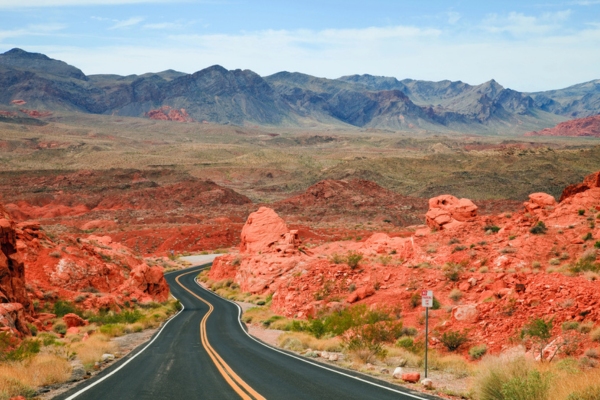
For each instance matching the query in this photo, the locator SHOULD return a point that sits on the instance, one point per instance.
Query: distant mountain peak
(20, 53)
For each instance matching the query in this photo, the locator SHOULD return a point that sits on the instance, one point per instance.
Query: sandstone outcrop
(589, 182)
(166, 113)
(504, 276)
(263, 229)
(589, 126)
(15, 305)
(447, 212)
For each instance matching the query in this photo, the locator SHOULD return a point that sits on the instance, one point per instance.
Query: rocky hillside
(577, 101)
(241, 97)
(589, 126)
(491, 274)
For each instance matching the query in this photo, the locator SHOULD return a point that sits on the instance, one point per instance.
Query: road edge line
(301, 358)
(85, 389)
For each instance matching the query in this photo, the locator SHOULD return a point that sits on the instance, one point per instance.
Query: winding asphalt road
(205, 353)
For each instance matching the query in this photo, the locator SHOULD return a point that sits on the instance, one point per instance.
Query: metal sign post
(427, 302)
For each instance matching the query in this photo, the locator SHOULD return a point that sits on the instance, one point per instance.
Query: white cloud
(127, 23)
(32, 30)
(534, 62)
(519, 24)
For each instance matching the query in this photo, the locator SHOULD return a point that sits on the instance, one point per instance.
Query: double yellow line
(236, 383)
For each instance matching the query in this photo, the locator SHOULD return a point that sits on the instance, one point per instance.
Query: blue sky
(524, 45)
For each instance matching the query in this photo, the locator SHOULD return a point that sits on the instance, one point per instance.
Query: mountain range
(242, 97)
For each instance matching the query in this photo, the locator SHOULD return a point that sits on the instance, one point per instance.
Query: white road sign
(427, 298)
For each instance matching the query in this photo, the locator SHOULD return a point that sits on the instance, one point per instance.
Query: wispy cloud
(127, 23)
(519, 24)
(163, 25)
(453, 17)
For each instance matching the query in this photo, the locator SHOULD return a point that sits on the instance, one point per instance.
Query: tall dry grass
(307, 341)
(20, 378)
(92, 349)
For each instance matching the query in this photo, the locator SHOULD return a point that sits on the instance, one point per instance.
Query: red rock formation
(447, 211)
(18, 102)
(590, 181)
(589, 126)
(166, 113)
(262, 230)
(36, 113)
(505, 278)
(15, 305)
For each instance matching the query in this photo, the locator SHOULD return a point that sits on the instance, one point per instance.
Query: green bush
(570, 326)
(587, 262)
(406, 343)
(581, 212)
(409, 331)
(60, 328)
(12, 350)
(476, 352)
(454, 339)
(532, 386)
(597, 244)
(492, 228)
(588, 236)
(539, 228)
(64, 307)
(353, 258)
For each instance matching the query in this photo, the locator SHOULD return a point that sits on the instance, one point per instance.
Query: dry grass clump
(20, 378)
(92, 349)
(307, 341)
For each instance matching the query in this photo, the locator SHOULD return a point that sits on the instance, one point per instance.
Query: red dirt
(589, 126)
(35, 113)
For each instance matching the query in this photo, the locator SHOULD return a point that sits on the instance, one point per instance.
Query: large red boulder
(263, 229)
(73, 320)
(446, 211)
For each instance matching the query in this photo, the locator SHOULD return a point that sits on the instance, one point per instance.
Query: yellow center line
(231, 377)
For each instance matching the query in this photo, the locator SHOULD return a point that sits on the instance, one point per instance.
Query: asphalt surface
(176, 365)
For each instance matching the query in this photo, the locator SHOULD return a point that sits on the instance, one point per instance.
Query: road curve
(180, 363)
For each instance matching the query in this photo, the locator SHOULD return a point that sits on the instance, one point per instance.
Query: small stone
(427, 383)
(324, 354)
(333, 357)
(402, 362)
(397, 373)
(107, 357)
(77, 371)
(384, 371)
(411, 377)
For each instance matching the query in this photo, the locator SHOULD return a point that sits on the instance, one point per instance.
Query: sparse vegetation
(452, 340)
(539, 228)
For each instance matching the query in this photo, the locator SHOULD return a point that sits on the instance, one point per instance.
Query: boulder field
(491, 274)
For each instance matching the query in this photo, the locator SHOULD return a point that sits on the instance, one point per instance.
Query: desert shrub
(476, 352)
(570, 325)
(589, 393)
(492, 228)
(597, 244)
(539, 228)
(453, 241)
(409, 331)
(60, 328)
(110, 317)
(592, 353)
(236, 261)
(586, 327)
(595, 335)
(581, 212)
(532, 386)
(587, 262)
(405, 342)
(63, 307)
(113, 330)
(452, 271)
(366, 342)
(455, 295)
(452, 340)
(539, 331)
(554, 261)
(588, 236)
(353, 258)
(336, 258)
(415, 300)
(12, 350)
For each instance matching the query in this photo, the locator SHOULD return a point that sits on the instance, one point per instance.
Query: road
(204, 353)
